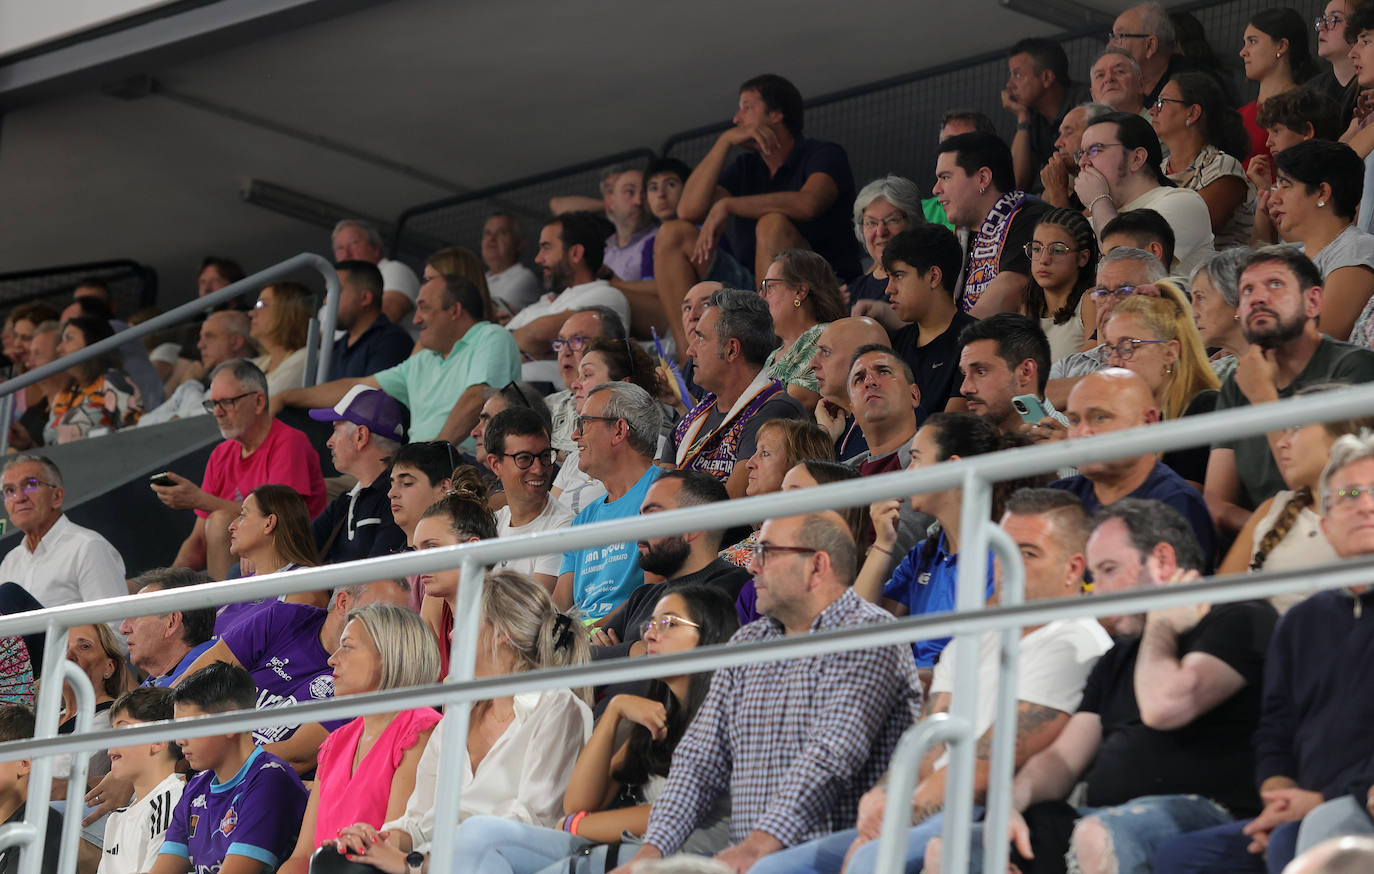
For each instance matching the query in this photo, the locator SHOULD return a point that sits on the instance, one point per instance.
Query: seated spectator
(1113, 400)
(257, 449)
(267, 800)
(1058, 174)
(369, 426)
(216, 273)
(58, 562)
(924, 581)
(571, 248)
(782, 444)
(461, 515)
(525, 746)
(924, 318)
(286, 649)
(1285, 531)
(371, 342)
(616, 434)
(1280, 303)
(1063, 256)
(134, 833)
(1290, 118)
(1004, 357)
(1116, 81)
(681, 560)
(1051, 529)
(884, 398)
(1112, 180)
(1157, 340)
(1335, 85)
(420, 475)
(224, 336)
(93, 299)
(96, 651)
(1275, 53)
(1359, 135)
(163, 645)
(580, 327)
(281, 326)
(834, 350)
(1215, 295)
(1203, 136)
(270, 535)
(367, 767)
(962, 120)
(1197, 746)
(803, 296)
(1315, 206)
(516, 394)
(21, 656)
(464, 264)
(631, 769)
(17, 723)
(512, 285)
(1039, 93)
(976, 185)
(356, 240)
(28, 322)
(1142, 229)
(518, 451)
(730, 348)
(606, 360)
(693, 305)
(814, 735)
(883, 208)
(1305, 750)
(98, 396)
(634, 226)
(442, 384)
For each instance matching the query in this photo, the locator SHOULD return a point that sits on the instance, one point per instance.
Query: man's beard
(665, 557)
(559, 278)
(1277, 336)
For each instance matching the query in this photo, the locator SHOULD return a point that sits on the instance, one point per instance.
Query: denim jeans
(826, 855)
(1223, 848)
(494, 845)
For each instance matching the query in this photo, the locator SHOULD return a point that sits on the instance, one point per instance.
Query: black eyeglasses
(1118, 37)
(1093, 151)
(225, 404)
(28, 487)
(576, 344)
(1329, 22)
(513, 391)
(448, 448)
(761, 551)
(1120, 291)
(1159, 104)
(523, 460)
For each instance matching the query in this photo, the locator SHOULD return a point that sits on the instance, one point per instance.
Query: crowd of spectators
(1142, 251)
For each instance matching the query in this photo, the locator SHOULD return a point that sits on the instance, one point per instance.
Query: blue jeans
(1135, 829)
(1223, 848)
(826, 855)
(493, 845)
(1338, 817)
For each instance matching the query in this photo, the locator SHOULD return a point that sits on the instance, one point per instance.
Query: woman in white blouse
(280, 325)
(521, 749)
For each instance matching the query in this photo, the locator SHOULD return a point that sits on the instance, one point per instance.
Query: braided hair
(1033, 301)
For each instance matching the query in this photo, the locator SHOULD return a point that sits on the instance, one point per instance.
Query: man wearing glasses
(796, 743)
(519, 453)
(257, 449)
(58, 562)
(1147, 35)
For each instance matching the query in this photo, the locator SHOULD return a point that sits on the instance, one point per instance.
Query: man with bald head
(1115, 399)
(224, 336)
(1147, 35)
(693, 305)
(1056, 177)
(834, 352)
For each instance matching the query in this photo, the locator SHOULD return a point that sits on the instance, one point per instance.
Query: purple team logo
(229, 823)
(322, 686)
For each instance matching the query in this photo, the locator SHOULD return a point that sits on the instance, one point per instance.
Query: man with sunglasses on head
(518, 452)
(58, 562)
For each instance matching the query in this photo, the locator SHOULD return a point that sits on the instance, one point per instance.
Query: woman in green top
(803, 296)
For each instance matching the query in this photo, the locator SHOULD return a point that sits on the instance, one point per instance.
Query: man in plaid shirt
(796, 742)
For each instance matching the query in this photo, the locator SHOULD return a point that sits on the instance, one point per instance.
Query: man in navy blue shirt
(1113, 400)
(373, 341)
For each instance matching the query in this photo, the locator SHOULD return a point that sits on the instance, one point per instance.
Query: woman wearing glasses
(1205, 138)
(1157, 339)
(803, 296)
(280, 325)
(1276, 54)
(624, 766)
(1063, 259)
(1338, 82)
(884, 208)
(1216, 294)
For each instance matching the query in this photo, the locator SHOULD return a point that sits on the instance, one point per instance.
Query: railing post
(953, 731)
(6, 416)
(331, 318)
(45, 726)
(1011, 591)
(461, 667)
(76, 778)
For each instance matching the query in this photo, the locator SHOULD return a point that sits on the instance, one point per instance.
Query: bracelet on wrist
(1094, 201)
(876, 548)
(575, 821)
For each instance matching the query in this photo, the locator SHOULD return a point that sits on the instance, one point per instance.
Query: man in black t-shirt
(1162, 736)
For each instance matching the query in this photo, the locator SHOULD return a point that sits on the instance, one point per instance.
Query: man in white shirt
(357, 240)
(58, 562)
(512, 285)
(518, 452)
(571, 248)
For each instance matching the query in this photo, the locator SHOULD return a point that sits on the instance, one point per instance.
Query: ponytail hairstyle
(714, 611)
(1033, 298)
(465, 506)
(520, 612)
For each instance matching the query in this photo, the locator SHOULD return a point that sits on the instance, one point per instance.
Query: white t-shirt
(594, 293)
(1054, 664)
(133, 834)
(71, 565)
(398, 277)
(516, 287)
(1186, 212)
(555, 515)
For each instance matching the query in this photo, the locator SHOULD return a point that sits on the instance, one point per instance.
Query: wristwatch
(415, 862)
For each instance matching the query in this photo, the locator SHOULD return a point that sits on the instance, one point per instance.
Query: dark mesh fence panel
(133, 286)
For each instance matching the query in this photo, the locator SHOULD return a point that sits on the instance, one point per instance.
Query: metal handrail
(972, 474)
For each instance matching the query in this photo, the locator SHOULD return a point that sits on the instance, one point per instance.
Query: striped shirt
(796, 742)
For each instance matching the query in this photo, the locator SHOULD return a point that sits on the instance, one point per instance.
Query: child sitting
(133, 834)
(16, 723)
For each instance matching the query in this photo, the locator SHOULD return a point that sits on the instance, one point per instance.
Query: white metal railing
(973, 475)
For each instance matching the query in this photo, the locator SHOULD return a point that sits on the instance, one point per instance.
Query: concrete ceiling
(467, 94)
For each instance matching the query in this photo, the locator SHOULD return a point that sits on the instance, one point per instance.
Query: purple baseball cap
(373, 408)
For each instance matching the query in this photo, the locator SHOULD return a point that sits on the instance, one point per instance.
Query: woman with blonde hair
(1158, 340)
(367, 768)
(96, 651)
(520, 749)
(280, 325)
(780, 445)
(803, 296)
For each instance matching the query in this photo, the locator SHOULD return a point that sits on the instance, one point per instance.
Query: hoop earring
(796, 302)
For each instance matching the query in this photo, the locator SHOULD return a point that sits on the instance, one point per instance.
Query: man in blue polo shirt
(442, 384)
(164, 645)
(1113, 400)
(371, 341)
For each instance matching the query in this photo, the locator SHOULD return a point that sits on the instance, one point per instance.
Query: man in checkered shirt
(796, 742)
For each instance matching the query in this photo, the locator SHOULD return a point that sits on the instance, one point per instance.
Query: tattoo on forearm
(922, 812)
(1030, 718)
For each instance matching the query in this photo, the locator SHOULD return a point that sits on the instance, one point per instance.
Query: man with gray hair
(512, 285)
(358, 240)
(368, 429)
(616, 435)
(58, 562)
(223, 335)
(164, 645)
(1115, 81)
(729, 346)
(1147, 35)
(257, 449)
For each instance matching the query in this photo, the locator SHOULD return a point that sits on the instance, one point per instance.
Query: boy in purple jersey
(241, 813)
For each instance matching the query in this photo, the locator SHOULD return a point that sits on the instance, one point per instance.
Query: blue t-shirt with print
(927, 581)
(604, 576)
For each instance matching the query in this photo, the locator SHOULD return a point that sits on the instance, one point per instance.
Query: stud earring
(796, 302)
(1321, 203)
